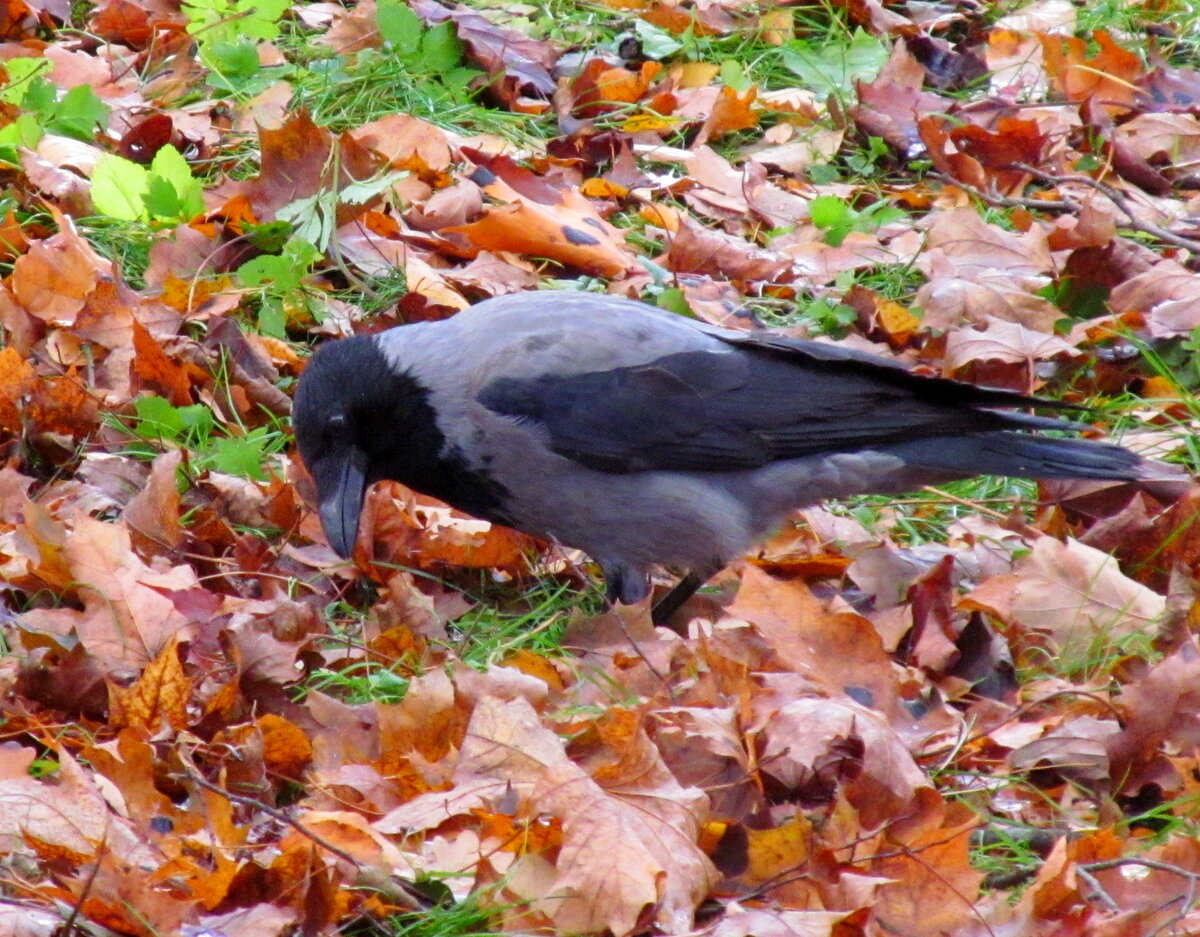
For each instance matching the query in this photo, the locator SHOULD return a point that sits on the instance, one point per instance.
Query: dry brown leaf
(838, 651)
(1004, 341)
(779, 850)
(1163, 138)
(286, 748)
(55, 276)
(1109, 77)
(1167, 296)
(562, 226)
(128, 616)
(414, 529)
(933, 884)
(730, 112)
(128, 761)
(154, 511)
(67, 820)
(963, 245)
(1076, 750)
(159, 697)
(155, 371)
(621, 853)
(761, 922)
(1042, 16)
(1071, 592)
(407, 142)
(814, 745)
(17, 382)
(695, 249)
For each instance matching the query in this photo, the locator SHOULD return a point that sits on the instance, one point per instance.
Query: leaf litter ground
(970, 711)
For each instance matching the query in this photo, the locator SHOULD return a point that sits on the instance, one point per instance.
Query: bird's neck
(410, 447)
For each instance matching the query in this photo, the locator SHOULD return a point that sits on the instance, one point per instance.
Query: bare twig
(1019, 712)
(1119, 199)
(1096, 890)
(1187, 900)
(68, 926)
(966, 503)
(1004, 201)
(417, 900)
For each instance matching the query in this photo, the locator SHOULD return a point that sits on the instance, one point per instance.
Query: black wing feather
(764, 399)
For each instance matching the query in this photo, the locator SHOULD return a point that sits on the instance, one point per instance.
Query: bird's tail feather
(1025, 456)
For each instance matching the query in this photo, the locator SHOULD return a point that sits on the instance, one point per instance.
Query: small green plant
(165, 193)
(314, 217)
(43, 767)
(427, 52)
(1182, 360)
(195, 429)
(836, 218)
(227, 32)
(820, 315)
(22, 133)
(419, 70)
(279, 280)
(868, 160)
(365, 682)
(831, 67)
(75, 114)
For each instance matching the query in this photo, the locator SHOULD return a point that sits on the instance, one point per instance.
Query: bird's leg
(669, 604)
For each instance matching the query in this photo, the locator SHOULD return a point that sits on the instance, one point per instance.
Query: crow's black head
(358, 420)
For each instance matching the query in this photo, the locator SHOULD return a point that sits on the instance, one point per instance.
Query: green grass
(125, 243)
(376, 295)
(506, 617)
(925, 516)
(1009, 854)
(468, 918)
(346, 94)
(533, 619)
(1175, 24)
(363, 682)
(1086, 660)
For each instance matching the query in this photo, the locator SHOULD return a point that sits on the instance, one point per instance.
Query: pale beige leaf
(1003, 341)
(621, 852)
(1072, 592)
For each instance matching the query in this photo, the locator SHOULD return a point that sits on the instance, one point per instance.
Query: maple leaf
(128, 614)
(1071, 592)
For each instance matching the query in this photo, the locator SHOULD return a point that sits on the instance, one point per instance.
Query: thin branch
(1119, 199)
(1004, 201)
(68, 926)
(1096, 889)
(417, 900)
(1187, 900)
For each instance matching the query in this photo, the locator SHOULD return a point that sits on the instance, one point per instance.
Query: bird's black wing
(754, 401)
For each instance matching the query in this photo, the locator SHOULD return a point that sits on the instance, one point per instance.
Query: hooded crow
(644, 438)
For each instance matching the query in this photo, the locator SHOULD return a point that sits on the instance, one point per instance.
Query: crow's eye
(336, 429)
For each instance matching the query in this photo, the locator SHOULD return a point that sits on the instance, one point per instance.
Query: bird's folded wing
(747, 403)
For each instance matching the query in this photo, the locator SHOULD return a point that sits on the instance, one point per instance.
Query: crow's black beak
(341, 485)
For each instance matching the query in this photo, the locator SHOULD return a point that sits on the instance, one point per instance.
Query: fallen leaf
(1071, 592)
